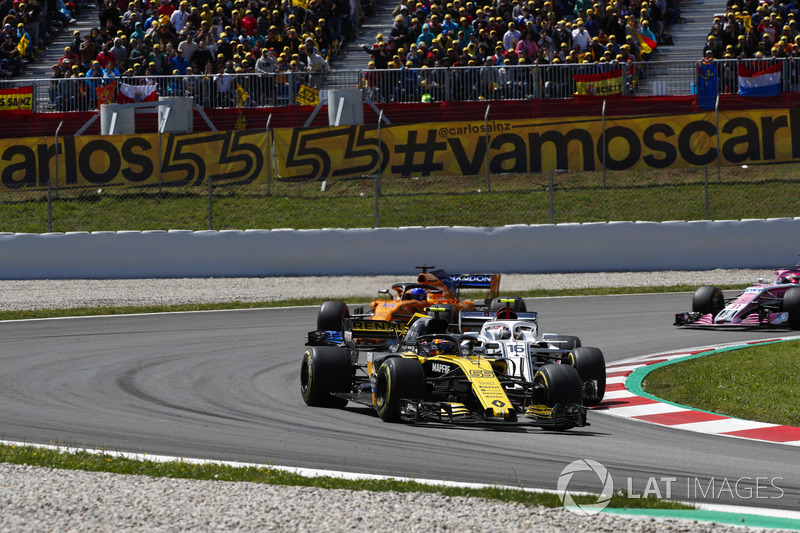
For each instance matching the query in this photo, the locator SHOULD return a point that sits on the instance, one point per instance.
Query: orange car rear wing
(455, 282)
(490, 282)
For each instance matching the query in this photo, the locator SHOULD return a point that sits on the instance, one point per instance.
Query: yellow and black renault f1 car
(433, 376)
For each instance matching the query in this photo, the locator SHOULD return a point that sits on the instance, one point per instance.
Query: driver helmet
(794, 279)
(443, 347)
(417, 294)
(498, 332)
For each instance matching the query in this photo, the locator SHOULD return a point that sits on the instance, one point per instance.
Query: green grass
(756, 192)
(760, 383)
(30, 455)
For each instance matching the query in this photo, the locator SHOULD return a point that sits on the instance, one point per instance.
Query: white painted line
(626, 368)
(617, 394)
(655, 408)
(615, 379)
(668, 357)
(722, 426)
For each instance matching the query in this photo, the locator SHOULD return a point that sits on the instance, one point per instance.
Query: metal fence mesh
(391, 201)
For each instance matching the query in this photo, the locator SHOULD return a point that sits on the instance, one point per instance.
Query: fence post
(719, 150)
(378, 174)
(486, 126)
(605, 148)
(552, 200)
(268, 154)
(210, 205)
(706, 194)
(50, 186)
(160, 156)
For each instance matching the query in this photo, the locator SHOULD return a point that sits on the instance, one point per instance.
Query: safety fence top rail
(464, 83)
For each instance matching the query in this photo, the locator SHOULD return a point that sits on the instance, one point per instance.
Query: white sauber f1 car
(514, 337)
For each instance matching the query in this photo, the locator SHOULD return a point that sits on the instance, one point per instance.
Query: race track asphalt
(224, 385)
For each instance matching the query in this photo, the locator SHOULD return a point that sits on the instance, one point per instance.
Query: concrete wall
(615, 246)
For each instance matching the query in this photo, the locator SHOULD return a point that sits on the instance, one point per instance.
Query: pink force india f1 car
(761, 304)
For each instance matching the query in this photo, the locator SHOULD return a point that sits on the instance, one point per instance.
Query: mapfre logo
(440, 368)
(585, 465)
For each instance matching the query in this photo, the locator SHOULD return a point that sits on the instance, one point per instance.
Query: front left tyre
(562, 385)
(325, 370)
(398, 378)
(708, 300)
(791, 304)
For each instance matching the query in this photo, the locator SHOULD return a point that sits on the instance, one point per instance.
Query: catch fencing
(470, 83)
(491, 200)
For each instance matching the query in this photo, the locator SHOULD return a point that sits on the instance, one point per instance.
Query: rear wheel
(398, 378)
(562, 385)
(331, 314)
(791, 304)
(708, 300)
(325, 369)
(590, 364)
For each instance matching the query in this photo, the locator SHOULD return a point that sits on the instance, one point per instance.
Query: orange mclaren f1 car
(433, 287)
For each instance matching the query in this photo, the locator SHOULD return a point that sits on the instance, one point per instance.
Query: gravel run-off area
(54, 294)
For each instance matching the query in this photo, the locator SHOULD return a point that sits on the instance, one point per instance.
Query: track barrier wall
(594, 247)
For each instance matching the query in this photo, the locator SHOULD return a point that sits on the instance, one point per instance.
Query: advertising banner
(228, 158)
(19, 99)
(535, 146)
(450, 149)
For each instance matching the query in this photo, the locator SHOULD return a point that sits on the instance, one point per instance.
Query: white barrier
(595, 247)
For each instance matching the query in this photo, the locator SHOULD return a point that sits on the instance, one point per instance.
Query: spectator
(580, 37)
(188, 47)
(120, 54)
(178, 63)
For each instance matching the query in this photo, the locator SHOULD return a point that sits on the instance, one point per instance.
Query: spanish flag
(604, 84)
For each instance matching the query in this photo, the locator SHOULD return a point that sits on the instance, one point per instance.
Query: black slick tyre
(398, 378)
(708, 300)
(791, 305)
(331, 314)
(590, 364)
(325, 369)
(562, 385)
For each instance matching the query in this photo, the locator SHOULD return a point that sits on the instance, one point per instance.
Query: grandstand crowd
(755, 29)
(28, 27)
(151, 38)
(466, 33)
